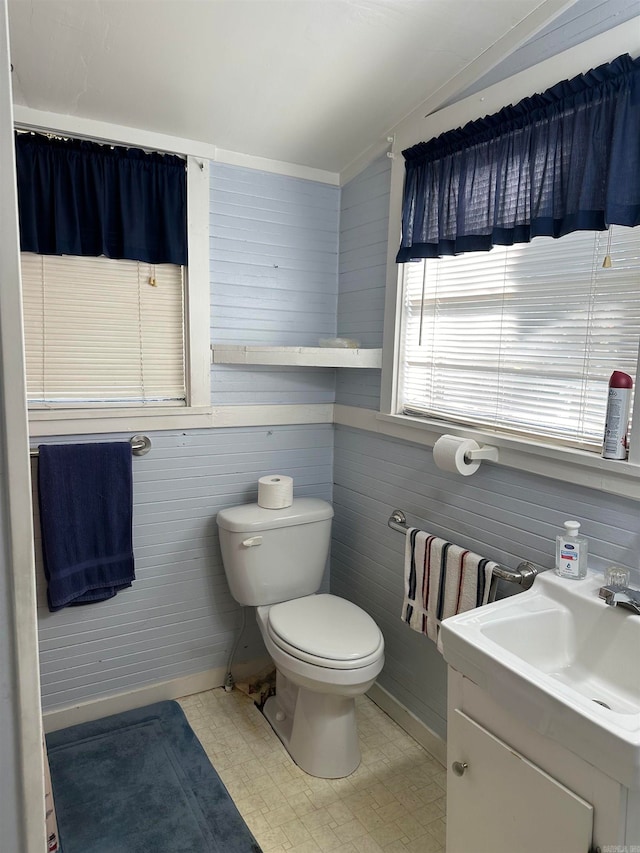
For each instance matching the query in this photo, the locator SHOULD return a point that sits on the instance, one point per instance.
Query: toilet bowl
(327, 650)
(318, 676)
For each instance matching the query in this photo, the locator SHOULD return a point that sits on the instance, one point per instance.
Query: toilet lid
(325, 627)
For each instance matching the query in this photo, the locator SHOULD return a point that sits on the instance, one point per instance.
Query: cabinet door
(503, 803)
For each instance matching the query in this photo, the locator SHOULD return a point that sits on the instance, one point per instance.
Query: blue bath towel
(85, 497)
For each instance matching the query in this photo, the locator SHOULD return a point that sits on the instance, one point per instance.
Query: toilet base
(321, 735)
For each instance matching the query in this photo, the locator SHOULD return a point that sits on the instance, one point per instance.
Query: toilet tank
(273, 555)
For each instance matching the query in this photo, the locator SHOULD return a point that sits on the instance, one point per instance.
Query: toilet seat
(326, 631)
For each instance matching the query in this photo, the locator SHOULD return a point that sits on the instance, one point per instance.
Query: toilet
(326, 650)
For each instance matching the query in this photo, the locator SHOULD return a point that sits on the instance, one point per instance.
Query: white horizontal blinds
(162, 331)
(523, 338)
(98, 331)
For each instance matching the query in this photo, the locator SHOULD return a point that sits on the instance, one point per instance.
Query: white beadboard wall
(274, 257)
(364, 220)
(178, 618)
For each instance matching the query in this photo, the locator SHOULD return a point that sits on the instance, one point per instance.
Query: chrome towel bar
(524, 575)
(140, 444)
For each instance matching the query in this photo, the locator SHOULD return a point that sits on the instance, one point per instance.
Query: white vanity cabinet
(491, 793)
(510, 788)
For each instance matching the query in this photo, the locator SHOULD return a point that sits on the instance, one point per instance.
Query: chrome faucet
(622, 596)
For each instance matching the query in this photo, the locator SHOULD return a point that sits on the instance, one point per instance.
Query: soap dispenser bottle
(571, 552)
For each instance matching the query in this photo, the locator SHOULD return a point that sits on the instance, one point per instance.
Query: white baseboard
(419, 731)
(60, 718)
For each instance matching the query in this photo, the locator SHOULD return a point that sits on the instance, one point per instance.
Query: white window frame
(198, 411)
(535, 456)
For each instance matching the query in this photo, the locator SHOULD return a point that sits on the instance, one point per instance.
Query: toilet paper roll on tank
(461, 455)
(275, 491)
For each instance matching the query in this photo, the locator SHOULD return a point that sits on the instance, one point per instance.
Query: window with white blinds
(523, 338)
(102, 332)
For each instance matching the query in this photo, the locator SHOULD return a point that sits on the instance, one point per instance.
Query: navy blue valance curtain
(564, 160)
(83, 198)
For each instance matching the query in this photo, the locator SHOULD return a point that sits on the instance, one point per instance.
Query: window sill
(546, 460)
(81, 422)
(86, 421)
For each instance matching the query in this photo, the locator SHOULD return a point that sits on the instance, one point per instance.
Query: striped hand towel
(440, 580)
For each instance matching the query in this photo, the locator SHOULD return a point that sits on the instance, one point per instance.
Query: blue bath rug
(140, 782)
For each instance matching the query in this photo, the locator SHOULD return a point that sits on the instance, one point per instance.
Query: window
(116, 378)
(103, 332)
(523, 338)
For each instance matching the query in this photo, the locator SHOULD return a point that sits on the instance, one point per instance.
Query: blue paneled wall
(501, 513)
(364, 222)
(274, 254)
(274, 257)
(178, 618)
(274, 280)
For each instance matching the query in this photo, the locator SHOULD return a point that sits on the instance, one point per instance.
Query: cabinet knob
(459, 767)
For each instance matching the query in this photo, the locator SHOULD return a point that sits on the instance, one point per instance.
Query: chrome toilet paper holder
(486, 451)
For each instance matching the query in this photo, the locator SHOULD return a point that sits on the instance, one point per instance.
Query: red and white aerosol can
(617, 420)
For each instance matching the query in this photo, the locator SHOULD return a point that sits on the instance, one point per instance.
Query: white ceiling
(311, 82)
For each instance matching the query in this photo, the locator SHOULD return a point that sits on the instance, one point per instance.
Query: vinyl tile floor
(393, 803)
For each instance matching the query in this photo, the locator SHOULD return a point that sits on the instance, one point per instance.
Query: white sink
(564, 662)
